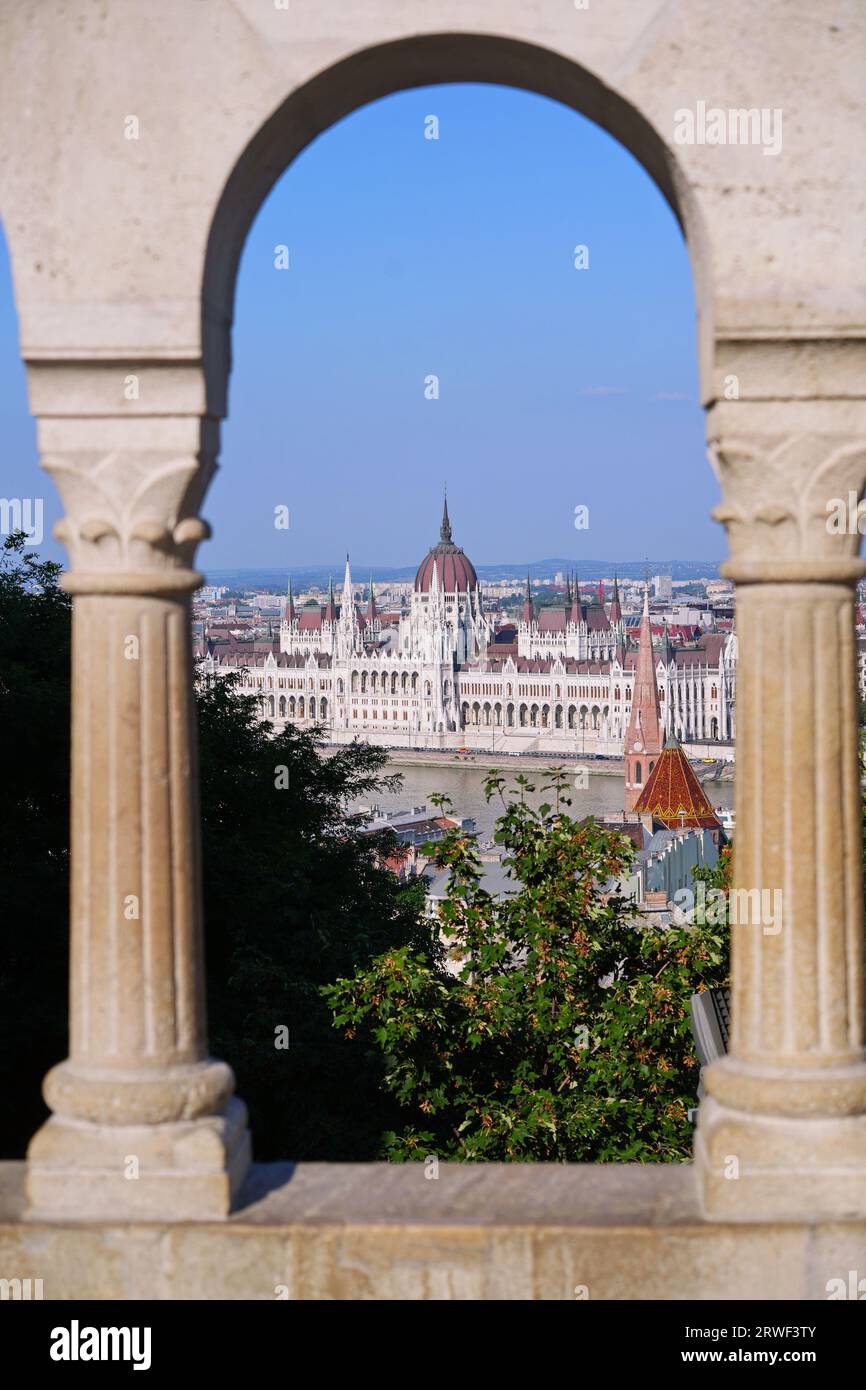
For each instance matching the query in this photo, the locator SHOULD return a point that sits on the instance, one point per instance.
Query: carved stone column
(144, 1123)
(782, 1132)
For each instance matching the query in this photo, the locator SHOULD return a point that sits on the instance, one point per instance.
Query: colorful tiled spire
(673, 795)
(643, 740)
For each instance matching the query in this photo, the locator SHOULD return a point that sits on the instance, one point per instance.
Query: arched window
(638, 773)
(282, 706)
(271, 709)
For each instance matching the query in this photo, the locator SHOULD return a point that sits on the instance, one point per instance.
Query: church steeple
(290, 602)
(643, 739)
(371, 604)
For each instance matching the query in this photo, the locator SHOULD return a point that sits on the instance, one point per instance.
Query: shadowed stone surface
(377, 1231)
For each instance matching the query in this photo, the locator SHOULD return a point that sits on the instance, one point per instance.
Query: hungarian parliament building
(442, 675)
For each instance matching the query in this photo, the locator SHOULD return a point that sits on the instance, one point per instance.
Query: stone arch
(282, 706)
(418, 61)
(372, 72)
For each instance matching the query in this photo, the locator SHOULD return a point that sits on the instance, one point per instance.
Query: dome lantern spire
(445, 528)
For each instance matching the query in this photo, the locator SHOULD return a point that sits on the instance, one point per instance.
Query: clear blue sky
(454, 256)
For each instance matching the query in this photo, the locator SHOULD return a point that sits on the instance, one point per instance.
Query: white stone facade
(436, 678)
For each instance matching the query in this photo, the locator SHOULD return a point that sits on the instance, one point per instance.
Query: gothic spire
(290, 602)
(445, 528)
(371, 603)
(330, 607)
(528, 612)
(643, 739)
(615, 605)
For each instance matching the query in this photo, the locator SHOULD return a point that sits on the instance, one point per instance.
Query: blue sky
(455, 257)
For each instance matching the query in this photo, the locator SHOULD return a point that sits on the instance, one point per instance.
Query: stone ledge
(380, 1231)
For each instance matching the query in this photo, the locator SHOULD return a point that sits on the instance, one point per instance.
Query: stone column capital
(790, 502)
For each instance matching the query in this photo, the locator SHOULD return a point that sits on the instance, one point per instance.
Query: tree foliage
(34, 831)
(562, 1030)
(296, 894)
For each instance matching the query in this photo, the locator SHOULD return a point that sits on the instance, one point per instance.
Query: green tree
(562, 1030)
(34, 831)
(295, 894)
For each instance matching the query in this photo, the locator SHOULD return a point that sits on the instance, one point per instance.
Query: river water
(465, 786)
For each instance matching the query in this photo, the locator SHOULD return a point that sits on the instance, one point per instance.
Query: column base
(779, 1168)
(188, 1170)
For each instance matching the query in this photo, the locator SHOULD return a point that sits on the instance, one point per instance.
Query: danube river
(465, 786)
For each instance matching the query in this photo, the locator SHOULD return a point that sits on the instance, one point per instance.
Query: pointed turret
(600, 594)
(666, 653)
(615, 606)
(576, 607)
(290, 603)
(330, 614)
(445, 528)
(528, 610)
(643, 739)
(673, 795)
(371, 604)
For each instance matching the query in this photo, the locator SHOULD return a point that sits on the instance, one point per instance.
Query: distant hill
(305, 575)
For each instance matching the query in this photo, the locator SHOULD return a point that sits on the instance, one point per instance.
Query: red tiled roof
(673, 794)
